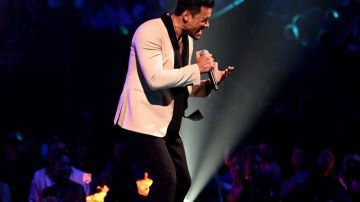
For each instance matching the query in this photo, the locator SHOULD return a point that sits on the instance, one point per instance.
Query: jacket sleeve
(147, 43)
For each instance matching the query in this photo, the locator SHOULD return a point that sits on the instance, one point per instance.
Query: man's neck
(178, 25)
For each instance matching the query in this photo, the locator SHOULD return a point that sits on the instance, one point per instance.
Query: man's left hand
(221, 74)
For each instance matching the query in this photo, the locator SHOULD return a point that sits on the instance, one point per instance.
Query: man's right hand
(205, 62)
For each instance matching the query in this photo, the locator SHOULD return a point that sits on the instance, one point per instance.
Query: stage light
(297, 19)
(221, 129)
(231, 112)
(124, 30)
(291, 31)
(332, 15)
(227, 8)
(100, 196)
(187, 200)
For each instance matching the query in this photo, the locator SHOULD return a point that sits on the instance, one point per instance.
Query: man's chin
(197, 37)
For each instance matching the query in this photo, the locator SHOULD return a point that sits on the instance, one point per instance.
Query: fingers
(205, 61)
(227, 71)
(206, 55)
(210, 65)
(209, 62)
(197, 54)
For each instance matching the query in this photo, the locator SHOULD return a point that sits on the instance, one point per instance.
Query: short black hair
(192, 5)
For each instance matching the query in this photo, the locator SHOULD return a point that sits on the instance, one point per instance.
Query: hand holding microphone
(211, 72)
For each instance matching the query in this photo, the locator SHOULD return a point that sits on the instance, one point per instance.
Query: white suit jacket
(146, 103)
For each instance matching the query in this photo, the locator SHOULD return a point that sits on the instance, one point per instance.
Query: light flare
(100, 196)
(143, 185)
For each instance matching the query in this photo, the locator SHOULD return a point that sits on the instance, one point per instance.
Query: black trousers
(165, 162)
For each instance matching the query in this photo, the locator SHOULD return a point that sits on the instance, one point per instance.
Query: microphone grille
(203, 51)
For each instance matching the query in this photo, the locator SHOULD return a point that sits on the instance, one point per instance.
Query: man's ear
(186, 16)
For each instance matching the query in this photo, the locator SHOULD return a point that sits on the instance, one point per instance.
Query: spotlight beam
(227, 8)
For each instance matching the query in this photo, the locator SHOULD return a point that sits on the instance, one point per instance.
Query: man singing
(159, 80)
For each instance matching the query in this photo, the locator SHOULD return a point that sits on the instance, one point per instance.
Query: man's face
(62, 168)
(197, 22)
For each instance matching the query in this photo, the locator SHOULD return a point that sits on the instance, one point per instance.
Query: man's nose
(207, 24)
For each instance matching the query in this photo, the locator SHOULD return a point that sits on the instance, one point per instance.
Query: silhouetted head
(350, 168)
(326, 161)
(60, 168)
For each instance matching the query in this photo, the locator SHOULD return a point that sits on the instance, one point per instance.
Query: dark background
(63, 63)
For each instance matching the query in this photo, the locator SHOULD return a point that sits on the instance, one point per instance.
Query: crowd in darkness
(63, 63)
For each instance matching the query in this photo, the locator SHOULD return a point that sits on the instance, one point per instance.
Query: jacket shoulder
(151, 27)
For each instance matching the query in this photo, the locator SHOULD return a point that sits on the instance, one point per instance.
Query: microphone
(211, 73)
